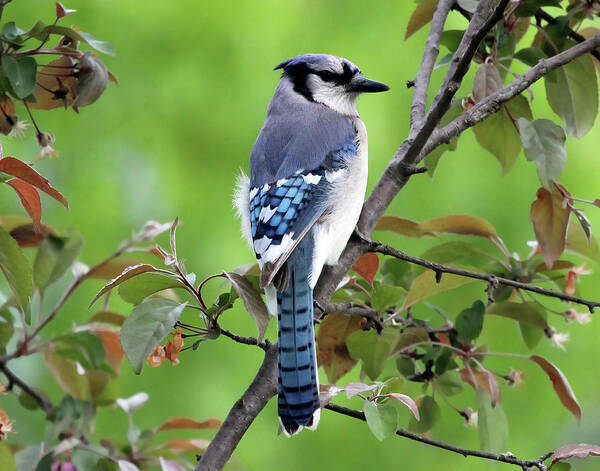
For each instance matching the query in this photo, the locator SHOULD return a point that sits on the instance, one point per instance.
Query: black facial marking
(298, 74)
(339, 79)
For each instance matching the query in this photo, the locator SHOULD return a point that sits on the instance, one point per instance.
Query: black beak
(364, 85)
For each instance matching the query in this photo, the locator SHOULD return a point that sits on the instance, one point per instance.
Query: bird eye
(326, 75)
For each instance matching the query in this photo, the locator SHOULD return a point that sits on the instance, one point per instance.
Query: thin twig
(503, 458)
(13, 379)
(432, 49)
(493, 102)
(246, 340)
(488, 277)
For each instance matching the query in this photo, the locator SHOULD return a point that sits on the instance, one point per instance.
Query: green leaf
(498, 134)
(16, 268)
(525, 313)
(64, 371)
(492, 425)
(138, 288)
(572, 93)
(7, 461)
(411, 336)
(531, 335)
(451, 252)
(530, 7)
(20, 72)
(530, 56)
(449, 383)
(372, 348)
(252, 301)
(397, 272)
(382, 418)
(544, 144)
(102, 46)
(147, 325)
(27, 458)
(84, 347)
(451, 38)
(87, 38)
(6, 327)
(425, 285)
(469, 322)
(577, 242)
(385, 296)
(11, 32)
(429, 412)
(55, 256)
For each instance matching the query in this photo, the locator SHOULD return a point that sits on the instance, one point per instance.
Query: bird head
(333, 81)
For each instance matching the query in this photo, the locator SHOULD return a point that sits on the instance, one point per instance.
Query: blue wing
(282, 212)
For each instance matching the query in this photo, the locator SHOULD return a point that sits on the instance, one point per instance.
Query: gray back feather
(297, 135)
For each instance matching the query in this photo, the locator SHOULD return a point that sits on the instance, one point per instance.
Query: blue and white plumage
(308, 176)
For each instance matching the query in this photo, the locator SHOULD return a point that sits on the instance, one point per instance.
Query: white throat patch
(332, 95)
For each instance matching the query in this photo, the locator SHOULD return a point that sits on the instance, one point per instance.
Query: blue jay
(308, 176)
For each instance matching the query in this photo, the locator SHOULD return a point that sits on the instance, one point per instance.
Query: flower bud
(92, 80)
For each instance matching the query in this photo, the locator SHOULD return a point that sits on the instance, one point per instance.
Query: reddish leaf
(420, 17)
(19, 169)
(487, 81)
(560, 384)
(367, 266)
(185, 423)
(550, 219)
(355, 388)
(61, 11)
(30, 199)
(112, 347)
(460, 224)
(111, 269)
(580, 450)
(401, 226)
(484, 381)
(128, 273)
(407, 401)
(27, 236)
(597, 202)
(332, 352)
(108, 317)
(198, 444)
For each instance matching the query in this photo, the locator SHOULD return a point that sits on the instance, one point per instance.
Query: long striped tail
(298, 400)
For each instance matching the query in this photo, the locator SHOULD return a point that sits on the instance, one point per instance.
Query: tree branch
(488, 277)
(432, 49)
(493, 102)
(572, 34)
(241, 416)
(400, 168)
(503, 458)
(13, 379)
(394, 178)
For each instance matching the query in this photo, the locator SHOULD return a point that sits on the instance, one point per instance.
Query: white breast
(345, 204)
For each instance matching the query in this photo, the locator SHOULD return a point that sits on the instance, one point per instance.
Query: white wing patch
(266, 213)
(311, 179)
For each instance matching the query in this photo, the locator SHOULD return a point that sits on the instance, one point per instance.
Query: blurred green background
(195, 79)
